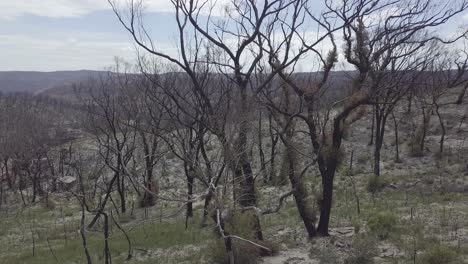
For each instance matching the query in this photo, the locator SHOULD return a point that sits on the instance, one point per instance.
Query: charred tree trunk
(83, 234)
(381, 120)
(190, 182)
(442, 126)
(243, 168)
(425, 124)
(121, 191)
(261, 153)
(7, 173)
(327, 199)
(274, 142)
(281, 178)
(206, 205)
(397, 141)
(104, 202)
(371, 142)
(303, 204)
(377, 150)
(461, 96)
(300, 194)
(149, 199)
(410, 102)
(107, 254)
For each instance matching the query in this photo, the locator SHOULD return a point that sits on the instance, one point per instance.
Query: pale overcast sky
(50, 35)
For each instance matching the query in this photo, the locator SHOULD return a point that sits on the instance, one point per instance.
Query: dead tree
(209, 41)
(370, 56)
(111, 127)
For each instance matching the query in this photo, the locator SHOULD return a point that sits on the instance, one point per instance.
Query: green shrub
(240, 224)
(375, 184)
(439, 254)
(347, 172)
(415, 152)
(126, 218)
(243, 252)
(170, 156)
(357, 225)
(326, 256)
(363, 251)
(382, 224)
(416, 141)
(363, 159)
(281, 178)
(68, 212)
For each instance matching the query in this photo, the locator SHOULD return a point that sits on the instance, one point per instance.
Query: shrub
(240, 224)
(363, 159)
(356, 225)
(355, 171)
(68, 212)
(170, 156)
(439, 254)
(375, 184)
(281, 178)
(363, 251)
(48, 203)
(243, 252)
(382, 224)
(327, 256)
(126, 218)
(416, 143)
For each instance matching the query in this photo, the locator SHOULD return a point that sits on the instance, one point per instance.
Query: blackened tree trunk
(381, 120)
(425, 123)
(121, 191)
(377, 150)
(243, 168)
(371, 141)
(410, 102)
(7, 173)
(104, 202)
(190, 181)
(149, 199)
(281, 178)
(442, 126)
(327, 199)
(461, 96)
(300, 194)
(206, 210)
(149, 149)
(34, 189)
(107, 254)
(397, 141)
(261, 153)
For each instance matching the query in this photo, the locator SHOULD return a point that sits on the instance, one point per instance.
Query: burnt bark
(327, 199)
(381, 120)
(443, 132)
(461, 95)
(397, 141)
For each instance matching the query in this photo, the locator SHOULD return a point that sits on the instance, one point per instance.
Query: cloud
(48, 54)
(49, 8)
(11, 9)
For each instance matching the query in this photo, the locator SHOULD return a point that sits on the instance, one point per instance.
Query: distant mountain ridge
(34, 82)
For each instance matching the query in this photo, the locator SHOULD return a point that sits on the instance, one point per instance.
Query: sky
(52, 35)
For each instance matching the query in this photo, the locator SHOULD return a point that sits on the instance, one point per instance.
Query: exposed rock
(342, 231)
(67, 180)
